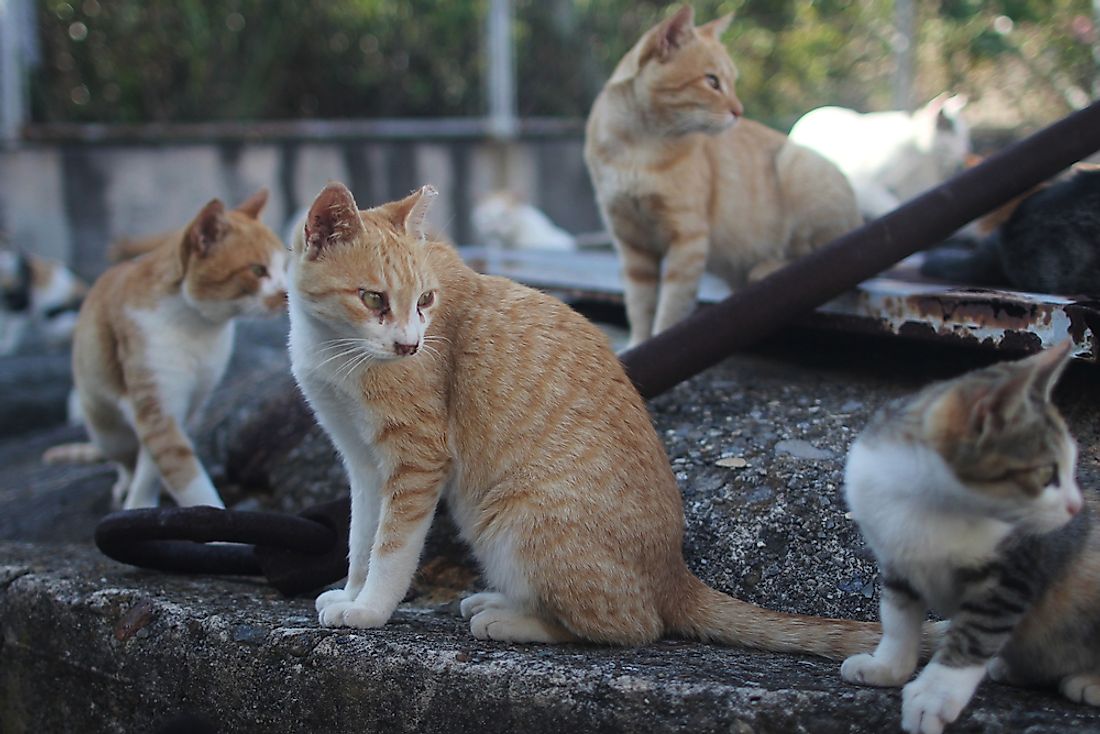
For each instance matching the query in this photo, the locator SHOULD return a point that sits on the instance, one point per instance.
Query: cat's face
(233, 264)
(1007, 444)
(365, 275)
(685, 77)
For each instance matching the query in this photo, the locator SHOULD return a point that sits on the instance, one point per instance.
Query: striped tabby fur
(153, 339)
(436, 382)
(684, 183)
(966, 493)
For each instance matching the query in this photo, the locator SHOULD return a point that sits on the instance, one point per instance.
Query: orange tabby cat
(684, 183)
(434, 381)
(153, 339)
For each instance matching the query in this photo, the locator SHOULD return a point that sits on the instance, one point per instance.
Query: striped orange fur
(684, 183)
(513, 408)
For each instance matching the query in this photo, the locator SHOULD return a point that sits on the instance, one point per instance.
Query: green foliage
(185, 60)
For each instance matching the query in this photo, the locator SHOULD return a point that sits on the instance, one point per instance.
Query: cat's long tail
(711, 616)
(72, 453)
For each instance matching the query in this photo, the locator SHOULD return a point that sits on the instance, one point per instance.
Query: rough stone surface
(134, 649)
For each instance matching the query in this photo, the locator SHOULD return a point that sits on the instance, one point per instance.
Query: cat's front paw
(937, 697)
(350, 614)
(1082, 689)
(332, 596)
(867, 670)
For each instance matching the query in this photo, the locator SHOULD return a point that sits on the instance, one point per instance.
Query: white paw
(867, 670)
(929, 704)
(331, 596)
(475, 603)
(351, 614)
(1082, 689)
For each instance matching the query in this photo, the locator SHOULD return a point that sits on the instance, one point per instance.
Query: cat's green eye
(1047, 475)
(426, 299)
(259, 271)
(373, 299)
(713, 81)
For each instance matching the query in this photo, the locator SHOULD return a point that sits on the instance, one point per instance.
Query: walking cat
(967, 496)
(39, 298)
(153, 339)
(684, 183)
(1049, 244)
(434, 381)
(890, 157)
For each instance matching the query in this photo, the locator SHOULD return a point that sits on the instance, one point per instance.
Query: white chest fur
(903, 499)
(186, 353)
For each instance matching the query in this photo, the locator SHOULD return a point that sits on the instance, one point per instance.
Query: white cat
(36, 292)
(889, 157)
(501, 219)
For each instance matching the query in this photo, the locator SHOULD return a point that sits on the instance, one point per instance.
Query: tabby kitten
(683, 182)
(153, 339)
(966, 494)
(1049, 244)
(436, 382)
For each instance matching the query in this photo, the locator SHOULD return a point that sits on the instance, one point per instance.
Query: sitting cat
(435, 381)
(153, 339)
(36, 295)
(502, 220)
(683, 182)
(1049, 244)
(889, 157)
(966, 494)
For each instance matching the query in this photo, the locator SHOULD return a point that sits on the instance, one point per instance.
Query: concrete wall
(69, 199)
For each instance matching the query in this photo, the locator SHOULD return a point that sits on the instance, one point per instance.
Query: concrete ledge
(90, 645)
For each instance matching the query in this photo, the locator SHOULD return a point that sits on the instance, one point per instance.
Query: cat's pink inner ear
(676, 31)
(253, 205)
(333, 218)
(207, 228)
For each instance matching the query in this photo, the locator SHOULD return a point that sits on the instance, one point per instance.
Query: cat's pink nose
(1074, 504)
(404, 350)
(736, 107)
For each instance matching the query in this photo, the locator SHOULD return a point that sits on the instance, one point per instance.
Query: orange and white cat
(433, 382)
(153, 339)
(685, 183)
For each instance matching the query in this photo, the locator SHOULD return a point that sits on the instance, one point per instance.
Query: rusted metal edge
(898, 302)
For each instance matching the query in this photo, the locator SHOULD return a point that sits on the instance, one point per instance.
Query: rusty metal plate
(898, 302)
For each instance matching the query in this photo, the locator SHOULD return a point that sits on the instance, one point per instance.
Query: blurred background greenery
(1022, 62)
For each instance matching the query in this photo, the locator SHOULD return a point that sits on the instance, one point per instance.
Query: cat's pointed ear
(673, 32)
(333, 218)
(718, 27)
(253, 205)
(1047, 367)
(409, 214)
(206, 230)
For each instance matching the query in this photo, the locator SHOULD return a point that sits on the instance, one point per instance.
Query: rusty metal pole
(749, 315)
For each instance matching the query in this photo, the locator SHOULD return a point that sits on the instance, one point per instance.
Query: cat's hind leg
(476, 603)
(493, 617)
(1082, 688)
